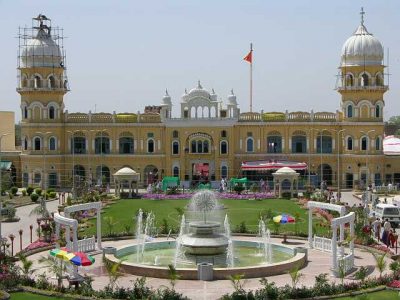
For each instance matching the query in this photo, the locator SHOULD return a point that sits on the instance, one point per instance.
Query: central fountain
(204, 237)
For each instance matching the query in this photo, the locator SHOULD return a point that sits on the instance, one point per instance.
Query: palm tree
(55, 266)
(237, 282)
(381, 263)
(395, 268)
(26, 267)
(113, 272)
(110, 223)
(173, 276)
(295, 275)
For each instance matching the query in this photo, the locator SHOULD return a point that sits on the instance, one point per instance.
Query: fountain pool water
(204, 237)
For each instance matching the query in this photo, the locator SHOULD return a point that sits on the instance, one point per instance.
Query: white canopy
(391, 145)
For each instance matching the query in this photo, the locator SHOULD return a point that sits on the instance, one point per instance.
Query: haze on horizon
(122, 55)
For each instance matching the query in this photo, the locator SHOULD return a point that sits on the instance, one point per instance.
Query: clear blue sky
(121, 55)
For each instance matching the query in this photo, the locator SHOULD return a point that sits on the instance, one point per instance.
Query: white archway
(87, 244)
(283, 174)
(126, 175)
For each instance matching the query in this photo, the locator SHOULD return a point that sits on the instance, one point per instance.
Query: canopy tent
(391, 145)
(238, 180)
(5, 165)
(169, 182)
(265, 165)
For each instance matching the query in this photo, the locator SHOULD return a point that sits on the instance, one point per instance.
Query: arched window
(364, 80)
(24, 81)
(364, 143)
(205, 147)
(349, 111)
(25, 112)
(274, 144)
(37, 143)
(224, 147)
(349, 80)
(326, 144)
(249, 145)
(150, 146)
(126, 145)
(25, 144)
(175, 147)
(379, 80)
(102, 145)
(299, 144)
(193, 147)
(175, 134)
(176, 172)
(37, 82)
(79, 145)
(51, 113)
(52, 144)
(52, 82)
(223, 134)
(199, 147)
(224, 172)
(350, 143)
(377, 111)
(378, 143)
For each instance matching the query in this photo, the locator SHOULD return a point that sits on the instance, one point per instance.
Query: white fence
(85, 245)
(323, 244)
(346, 262)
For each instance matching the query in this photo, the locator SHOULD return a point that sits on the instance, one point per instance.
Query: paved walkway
(319, 262)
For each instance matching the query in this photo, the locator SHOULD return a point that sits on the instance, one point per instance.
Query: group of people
(223, 186)
(389, 236)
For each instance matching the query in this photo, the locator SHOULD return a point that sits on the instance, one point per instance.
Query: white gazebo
(126, 175)
(283, 174)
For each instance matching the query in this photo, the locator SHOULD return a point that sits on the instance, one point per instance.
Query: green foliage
(241, 228)
(395, 268)
(55, 266)
(110, 224)
(237, 282)
(394, 120)
(34, 197)
(164, 226)
(295, 276)
(14, 190)
(341, 271)
(180, 211)
(173, 276)
(38, 191)
(380, 261)
(52, 195)
(172, 190)
(361, 274)
(29, 190)
(24, 193)
(113, 272)
(239, 188)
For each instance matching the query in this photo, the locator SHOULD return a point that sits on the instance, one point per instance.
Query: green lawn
(30, 296)
(382, 295)
(123, 213)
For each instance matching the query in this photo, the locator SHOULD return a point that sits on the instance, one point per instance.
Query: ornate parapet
(250, 117)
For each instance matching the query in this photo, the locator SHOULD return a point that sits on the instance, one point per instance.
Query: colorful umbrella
(65, 255)
(284, 219)
(82, 259)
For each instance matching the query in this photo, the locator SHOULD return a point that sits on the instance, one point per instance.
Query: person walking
(386, 230)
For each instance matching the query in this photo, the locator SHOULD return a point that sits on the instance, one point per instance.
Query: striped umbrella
(284, 219)
(82, 259)
(65, 255)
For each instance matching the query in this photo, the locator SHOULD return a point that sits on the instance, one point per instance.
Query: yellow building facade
(208, 141)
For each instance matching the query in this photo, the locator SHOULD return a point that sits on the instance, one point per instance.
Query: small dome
(41, 51)
(166, 100)
(232, 98)
(213, 95)
(285, 170)
(196, 92)
(362, 48)
(125, 171)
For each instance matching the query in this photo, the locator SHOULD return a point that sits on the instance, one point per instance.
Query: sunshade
(284, 219)
(82, 259)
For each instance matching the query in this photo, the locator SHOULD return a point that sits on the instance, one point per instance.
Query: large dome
(362, 48)
(41, 51)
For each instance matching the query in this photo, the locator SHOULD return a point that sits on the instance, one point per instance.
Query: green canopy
(238, 180)
(169, 181)
(5, 165)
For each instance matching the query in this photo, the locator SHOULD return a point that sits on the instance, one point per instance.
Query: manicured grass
(381, 295)
(123, 213)
(30, 296)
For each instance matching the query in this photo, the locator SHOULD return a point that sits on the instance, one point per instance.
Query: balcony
(371, 88)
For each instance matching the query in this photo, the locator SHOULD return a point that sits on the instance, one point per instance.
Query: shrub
(24, 192)
(34, 197)
(52, 195)
(38, 191)
(14, 190)
(173, 190)
(10, 195)
(238, 188)
(29, 190)
(241, 228)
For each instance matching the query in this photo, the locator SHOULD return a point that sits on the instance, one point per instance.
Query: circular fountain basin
(158, 255)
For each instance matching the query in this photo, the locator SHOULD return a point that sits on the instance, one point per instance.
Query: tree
(395, 268)
(113, 272)
(394, 120)
(295, 276)
(237, 282)
(55, 266)
(381, 263)
(173, 276)
(26, 267)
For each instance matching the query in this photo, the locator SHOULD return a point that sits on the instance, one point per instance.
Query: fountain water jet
(229, 253)
(266, 240)
(143, 233)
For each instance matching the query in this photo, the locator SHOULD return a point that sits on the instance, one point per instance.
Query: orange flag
(249, 57)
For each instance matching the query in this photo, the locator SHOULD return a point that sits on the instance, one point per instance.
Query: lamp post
(367, 157)
(44, 186)
(338, 161)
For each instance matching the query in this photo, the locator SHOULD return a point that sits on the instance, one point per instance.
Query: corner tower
(362, 77)
(42, 80)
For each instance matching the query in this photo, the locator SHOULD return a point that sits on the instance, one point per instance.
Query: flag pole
(251, 78)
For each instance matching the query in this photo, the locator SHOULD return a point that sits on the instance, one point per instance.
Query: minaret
(362, 76)
(41, 72)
